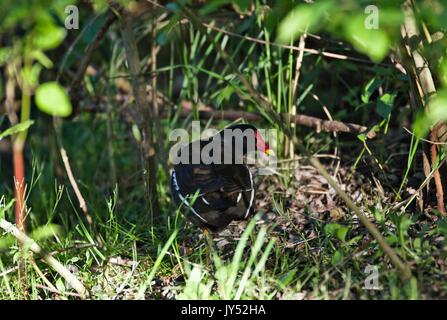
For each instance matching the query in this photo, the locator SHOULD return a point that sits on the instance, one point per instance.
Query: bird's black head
(246, 136)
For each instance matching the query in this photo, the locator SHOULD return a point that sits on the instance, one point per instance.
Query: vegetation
(90, 92)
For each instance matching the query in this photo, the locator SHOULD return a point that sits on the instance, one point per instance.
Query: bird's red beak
(261, 145)
(267, 150)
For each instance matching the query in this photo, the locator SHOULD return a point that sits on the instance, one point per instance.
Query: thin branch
(425, 140)
(81, 200)
(53, 290)
(74, 184)
(299, 63)
(41, 275)
(27, 242)
(300, 119)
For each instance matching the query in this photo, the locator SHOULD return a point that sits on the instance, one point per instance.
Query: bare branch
(27, 242)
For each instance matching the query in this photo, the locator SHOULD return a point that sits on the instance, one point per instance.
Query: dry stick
(27, 242)
(41, 275)
(74, 184)
(147, 145)
(57, 291)
(304, 120)
(405, 272)
(299, 63)
(426, 87)
(425, 140)
(207, 112)
(81, 200)
(437, 175)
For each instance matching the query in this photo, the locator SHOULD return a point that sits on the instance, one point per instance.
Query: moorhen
(218, 192)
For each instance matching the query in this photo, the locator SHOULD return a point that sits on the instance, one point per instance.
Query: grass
(279, 258)
(303, 243)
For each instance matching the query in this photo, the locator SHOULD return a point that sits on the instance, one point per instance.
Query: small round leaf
(52, 99)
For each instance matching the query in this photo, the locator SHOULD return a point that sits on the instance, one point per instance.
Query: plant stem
(147, 144)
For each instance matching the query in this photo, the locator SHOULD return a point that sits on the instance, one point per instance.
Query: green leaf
(46, 231)
(60, 285)
(385, 105)
(442, 72)
(372, 42)
(435, 111)
(7, 241)
(16, 129)
(302, 17)
(442, 227)
(42, 58)
(337, 257)
(3, 207)
(52, 99)
(369, 89)
(212, 6)
(136, 132)
(404, 224)
(242, 5)
(341, 233)
(46, 35)
(337, 230)
(224, 95)
(362, 137)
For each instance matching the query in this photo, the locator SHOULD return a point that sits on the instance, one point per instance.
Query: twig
(9, 271)
(41, 275)
(299, 63)
(425, 140)
(437, 175)
(27, 242)
(300, 119)
(53, 290)
(81, 200)
(74, 247)
(207, 112)
(74, 184)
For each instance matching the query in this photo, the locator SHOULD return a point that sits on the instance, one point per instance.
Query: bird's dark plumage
(213, 194)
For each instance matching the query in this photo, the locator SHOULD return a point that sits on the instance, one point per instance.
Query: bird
(217, 192)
